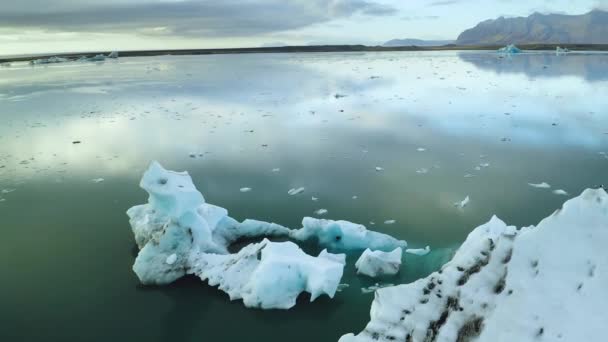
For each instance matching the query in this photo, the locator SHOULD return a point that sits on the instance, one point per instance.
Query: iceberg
(271, 275)
(510, 49)
(377, 263)
(560, 51)
(344, 236)
(178, 233)
(508, 284)
(113, 55)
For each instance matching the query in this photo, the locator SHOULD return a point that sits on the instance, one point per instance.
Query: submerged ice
(178, 233)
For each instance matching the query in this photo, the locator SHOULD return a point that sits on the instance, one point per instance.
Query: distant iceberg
(510, 49)
(50, 60)
(178, 233)
(505, 284)
(561, 51)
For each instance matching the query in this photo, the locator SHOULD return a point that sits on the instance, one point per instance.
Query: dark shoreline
(316, 48)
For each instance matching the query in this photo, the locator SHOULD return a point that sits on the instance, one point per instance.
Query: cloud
(184, 18)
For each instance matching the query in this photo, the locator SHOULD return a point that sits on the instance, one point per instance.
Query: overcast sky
(41, 26)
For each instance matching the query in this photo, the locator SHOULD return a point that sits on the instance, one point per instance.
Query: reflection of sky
(213, 100)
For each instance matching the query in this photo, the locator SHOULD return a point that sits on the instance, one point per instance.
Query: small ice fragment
(97, 180)
(484, 164)
(2, 199)
(171, 259)
(355, 197)
(7, 191)
(378, 168)
(468, 175)
(560, 192)
(374, 287)
(389, 222)
(462, 203)
(245, 189)
(422, 171)
(419, 251)
(276, 169)
(421, 149)
(314, 198)
(295, 191)
(542, 185)
(341, 287)
(477, 168)
(321, 212)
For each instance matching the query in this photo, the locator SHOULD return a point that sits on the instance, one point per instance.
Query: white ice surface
(543, 283)
(377, 263)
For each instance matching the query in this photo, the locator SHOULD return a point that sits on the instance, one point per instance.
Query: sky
(53, 26)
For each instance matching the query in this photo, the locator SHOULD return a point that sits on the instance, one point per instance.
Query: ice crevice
(545, 282)
(178, 233)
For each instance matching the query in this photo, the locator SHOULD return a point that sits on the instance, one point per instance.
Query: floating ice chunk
(97, 58)
(50, 60)
(271, 275)
(377, 263)
(560, 192)
(500, 270)
(295, 191)
(542, 185)
(97, 180)
(378, 168)
(390, 222)
(113, 54)
(468, 175)
(560, 51)
(344, 235)
(419, 251)
(321, 212)
(462, 204)
(421, 149)
(355, 197)
(276, 170)
(8, 191)
(510, 49)
(245, 189)
(422, 171)
(342, 287)
(374, 288)
(313, 198)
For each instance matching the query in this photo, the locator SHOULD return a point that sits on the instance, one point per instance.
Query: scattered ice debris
(422, 171)
(295, 191)
(355, 197)
(419, 251)
(344, 235)
(390, 222)
(373, 288)
(378, 168)
(559, 50)
(271, 275)
(245, 189)
(178, 233)
(510, 49)
(276, 170)
(542, 185)
(468, 175)
(378, 263)
(560, 192)
(462, 204)
(342, 287)
(421, 149)
(2, 199)
(321, 212)
(500, 270)
(97, 180)
(50, 60)
(484, 164)
(314, 199)
(97, 58)
(171, 259)
(7, 191)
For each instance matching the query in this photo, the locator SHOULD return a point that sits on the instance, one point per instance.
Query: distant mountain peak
(539, 28)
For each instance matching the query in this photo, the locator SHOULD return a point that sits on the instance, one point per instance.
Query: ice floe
(378, 263)
(462, 204)
(507, 284)
(542, 185)
(245, 189)
(295, 191)
(178, 233)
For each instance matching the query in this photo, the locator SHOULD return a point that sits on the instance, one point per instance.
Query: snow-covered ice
(419, 251)
(542, 185)
(378, 263)
(543, 283)
(245, 189)
(321, 212)
(560, 192)
(462, 204)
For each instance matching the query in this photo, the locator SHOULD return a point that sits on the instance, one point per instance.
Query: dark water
(67, 248)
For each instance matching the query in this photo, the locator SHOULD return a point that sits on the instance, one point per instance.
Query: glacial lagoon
(374, 137)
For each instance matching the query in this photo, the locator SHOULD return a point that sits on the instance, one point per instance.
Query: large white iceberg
(271, 275)
(538, 283)
(378, 263)
(178, 233)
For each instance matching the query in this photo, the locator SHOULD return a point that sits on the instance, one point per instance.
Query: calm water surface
(442, 125)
